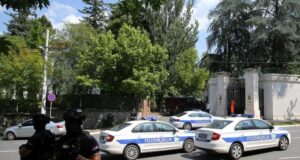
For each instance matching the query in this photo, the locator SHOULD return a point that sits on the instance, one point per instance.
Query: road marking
(296, 137)
(8, 151)
(290, 157)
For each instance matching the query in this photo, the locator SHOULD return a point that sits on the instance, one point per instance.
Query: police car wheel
(187, 126)
(283, 143)
(188, 145)
(131, 152)
(236, 151)
(10, 136)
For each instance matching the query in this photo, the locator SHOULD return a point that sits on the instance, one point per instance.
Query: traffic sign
(51, 97)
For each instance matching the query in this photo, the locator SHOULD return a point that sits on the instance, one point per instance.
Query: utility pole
(44, 92)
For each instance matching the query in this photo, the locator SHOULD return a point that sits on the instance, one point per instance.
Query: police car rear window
(218, 124)
(180, 114)
(120, 127)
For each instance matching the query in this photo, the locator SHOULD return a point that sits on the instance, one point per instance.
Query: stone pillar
(251, 92)
(222, 84)
(212, 94)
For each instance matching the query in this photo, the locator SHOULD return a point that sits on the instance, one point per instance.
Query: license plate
(202, 135)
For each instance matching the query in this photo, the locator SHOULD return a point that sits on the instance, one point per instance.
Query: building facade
(268, 96)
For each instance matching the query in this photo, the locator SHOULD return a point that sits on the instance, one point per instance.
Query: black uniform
(75, 142)
(41, 145)
(69, 146)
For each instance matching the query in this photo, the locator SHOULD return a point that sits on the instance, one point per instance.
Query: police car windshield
(180, 114)
(218, 124)
(120, 127)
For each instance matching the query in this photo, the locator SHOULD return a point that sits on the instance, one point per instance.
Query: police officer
(76, 145)
(40, 145)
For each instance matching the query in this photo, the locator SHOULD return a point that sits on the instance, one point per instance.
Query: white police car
(135, 137)
(192, 119)
(236, 135)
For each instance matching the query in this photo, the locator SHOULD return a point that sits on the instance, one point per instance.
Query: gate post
(251, 92)
(222, 84)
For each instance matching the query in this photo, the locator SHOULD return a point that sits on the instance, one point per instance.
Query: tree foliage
(21, 68)
(26, 24)
(259, 33)
(168, 24)
(95, 14)
(20, 22)
(128, 64)
(189, 77)
(24, 4)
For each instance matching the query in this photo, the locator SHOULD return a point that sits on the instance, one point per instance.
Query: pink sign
(51, 97)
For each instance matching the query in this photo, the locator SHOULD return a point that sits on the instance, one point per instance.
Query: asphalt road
(8, 151)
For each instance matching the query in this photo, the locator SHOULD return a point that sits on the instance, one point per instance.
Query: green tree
(37, 34)
(132, 12)
(276, 34)
(128, 64)
(168, 25)
(20, 22)
(69, 45)
(230, 34)
(24, 4)
(21, 68)
(190, 79)
(259, 33)
(95, 14)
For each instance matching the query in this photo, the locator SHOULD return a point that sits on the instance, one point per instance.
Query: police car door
(193, 119)
(204, 118)
(268, 137)
(147, 137)
(246, 132)
(169, 137)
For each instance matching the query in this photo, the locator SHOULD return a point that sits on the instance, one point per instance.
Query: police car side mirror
(20, 125)
(271, 127)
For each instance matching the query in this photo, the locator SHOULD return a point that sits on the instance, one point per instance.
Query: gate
(236, 91)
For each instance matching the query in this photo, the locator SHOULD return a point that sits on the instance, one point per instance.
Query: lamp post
(44, 91)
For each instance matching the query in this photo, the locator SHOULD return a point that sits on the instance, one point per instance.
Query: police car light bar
(149, 118)
(243, 115)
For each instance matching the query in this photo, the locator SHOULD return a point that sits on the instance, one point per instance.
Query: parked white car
(135, 137)
(237, 135)
(25, 129)
(192, 119)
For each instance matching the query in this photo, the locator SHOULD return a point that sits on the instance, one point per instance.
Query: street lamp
(44, 92)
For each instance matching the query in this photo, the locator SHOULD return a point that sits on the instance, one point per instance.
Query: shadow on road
(196, 155)
(202, 155)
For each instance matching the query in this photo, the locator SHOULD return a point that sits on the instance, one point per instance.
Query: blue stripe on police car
(152, 140)
(196, 121)
(252, 138)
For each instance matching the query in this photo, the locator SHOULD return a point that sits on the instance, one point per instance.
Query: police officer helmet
(74, 115)
(41, 119)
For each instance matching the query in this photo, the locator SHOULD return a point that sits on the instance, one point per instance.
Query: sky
(66, 11)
